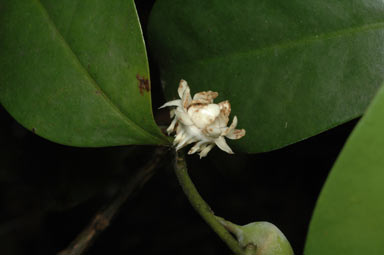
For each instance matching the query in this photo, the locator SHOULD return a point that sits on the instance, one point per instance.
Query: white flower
(198, 120)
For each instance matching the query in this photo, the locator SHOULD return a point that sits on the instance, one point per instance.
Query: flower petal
(236, 134)
(212, 130)
(183, 85)
(183, 117)
(198, 146)
(172, 113)
(180, 135)
(205, 97)
(186, 98)
(222, 144)
(203, 115)
(205, 151)
(221, 121)
(171, 127)
(176, 102)
(185, 142)
(231, 127)
(225, 108)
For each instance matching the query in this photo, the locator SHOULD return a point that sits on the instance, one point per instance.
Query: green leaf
(76, 72)
(291, 69)
(349, 215)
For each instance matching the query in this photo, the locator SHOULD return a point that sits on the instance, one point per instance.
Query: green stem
(201, 206)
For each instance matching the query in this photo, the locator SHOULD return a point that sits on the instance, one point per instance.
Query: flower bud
(259, 238)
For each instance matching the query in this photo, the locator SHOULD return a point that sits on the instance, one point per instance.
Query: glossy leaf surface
(349, 215)
(76, 72)
(291, 69)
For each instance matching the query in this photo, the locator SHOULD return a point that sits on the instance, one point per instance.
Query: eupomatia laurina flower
(198, 120)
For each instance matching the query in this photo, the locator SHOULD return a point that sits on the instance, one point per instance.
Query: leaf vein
(295, 43)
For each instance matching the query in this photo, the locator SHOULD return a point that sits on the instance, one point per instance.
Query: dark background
(49, 192)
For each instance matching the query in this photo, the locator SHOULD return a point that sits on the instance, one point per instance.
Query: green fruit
(260, 238)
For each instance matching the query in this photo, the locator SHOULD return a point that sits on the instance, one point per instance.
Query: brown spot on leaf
(143, 84)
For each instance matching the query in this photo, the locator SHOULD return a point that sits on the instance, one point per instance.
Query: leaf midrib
(292, 43)
(108, 100)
